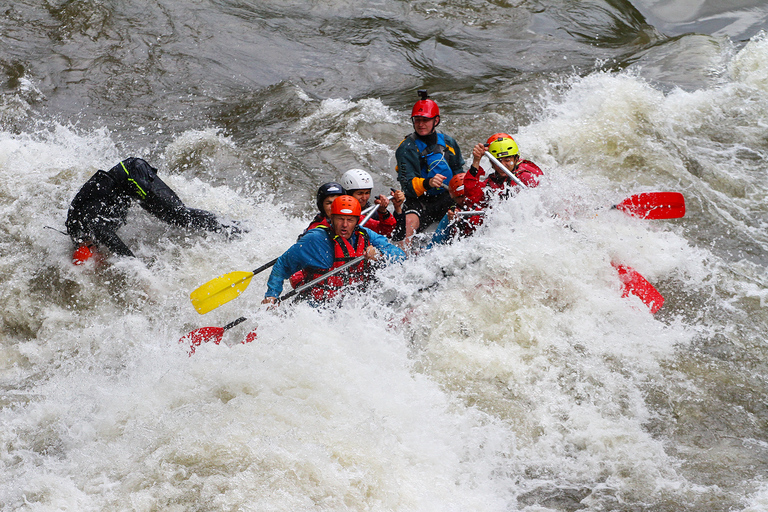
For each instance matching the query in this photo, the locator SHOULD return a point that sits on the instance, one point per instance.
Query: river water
(504, 372)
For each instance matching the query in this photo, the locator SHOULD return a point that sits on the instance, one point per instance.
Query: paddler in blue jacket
(323, 249)
(425, 159)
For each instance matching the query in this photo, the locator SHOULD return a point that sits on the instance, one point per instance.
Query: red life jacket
(343, 251)
(320, 221)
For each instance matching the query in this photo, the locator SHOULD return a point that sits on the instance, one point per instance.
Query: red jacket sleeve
(382, 227)
(387, 225)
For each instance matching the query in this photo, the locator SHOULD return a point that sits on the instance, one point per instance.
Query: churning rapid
(502, 372)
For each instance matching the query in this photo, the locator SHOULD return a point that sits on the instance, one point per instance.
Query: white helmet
(355, 179)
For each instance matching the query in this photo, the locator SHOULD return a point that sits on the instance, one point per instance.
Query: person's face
(362, 195)
(509, 162)
(459, 200)
(344, 225)
(327, 205)
(425, 125)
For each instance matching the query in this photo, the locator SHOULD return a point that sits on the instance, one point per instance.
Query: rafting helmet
(497, 136)
(425, 107)
(504, 147)
(328, 189)
(345, 205)
(356, 179)
(456, 185)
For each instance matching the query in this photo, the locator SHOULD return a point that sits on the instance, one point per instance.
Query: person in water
(101, 206)
(325, 248)
(425, 159)
(505, 150)
(359, 184)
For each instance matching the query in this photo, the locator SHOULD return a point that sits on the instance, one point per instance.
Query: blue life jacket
(433, 162)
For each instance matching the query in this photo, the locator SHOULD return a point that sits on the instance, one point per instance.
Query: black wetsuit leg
(158, 199)
(163, 203)
(399, 232)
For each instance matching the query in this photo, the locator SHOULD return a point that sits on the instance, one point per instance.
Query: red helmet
(456, 185)
(425, 108)
(345, 205)
(497, 136)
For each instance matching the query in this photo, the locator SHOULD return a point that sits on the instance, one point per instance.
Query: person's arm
(398, 198)
(383, 225)
(312, 250)
(473, 186)
(164, 204)
(442, 233)
(398, 233)
(387, 225)
(390, 252)
(371, 224)
(106, 235)
(383, 203)
(409, 169)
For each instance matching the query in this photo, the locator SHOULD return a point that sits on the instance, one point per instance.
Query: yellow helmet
(503, 147)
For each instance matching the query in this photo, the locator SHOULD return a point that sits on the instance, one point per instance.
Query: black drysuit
(101, 206)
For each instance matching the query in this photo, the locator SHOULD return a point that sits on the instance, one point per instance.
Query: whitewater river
(502, 373)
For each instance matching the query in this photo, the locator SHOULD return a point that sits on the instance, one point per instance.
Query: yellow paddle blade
(219, 291)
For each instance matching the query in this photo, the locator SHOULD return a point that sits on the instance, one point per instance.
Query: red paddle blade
(638, 286)
(202, 335)
(654, 205)
(250, 337)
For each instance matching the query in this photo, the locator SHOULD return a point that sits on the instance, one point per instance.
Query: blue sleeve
(391, 252)
(442, 233)
(312, 250)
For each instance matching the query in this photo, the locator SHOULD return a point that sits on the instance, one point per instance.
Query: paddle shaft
(234, 323)
(265, 266)
(317, 280)
(504, 169)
